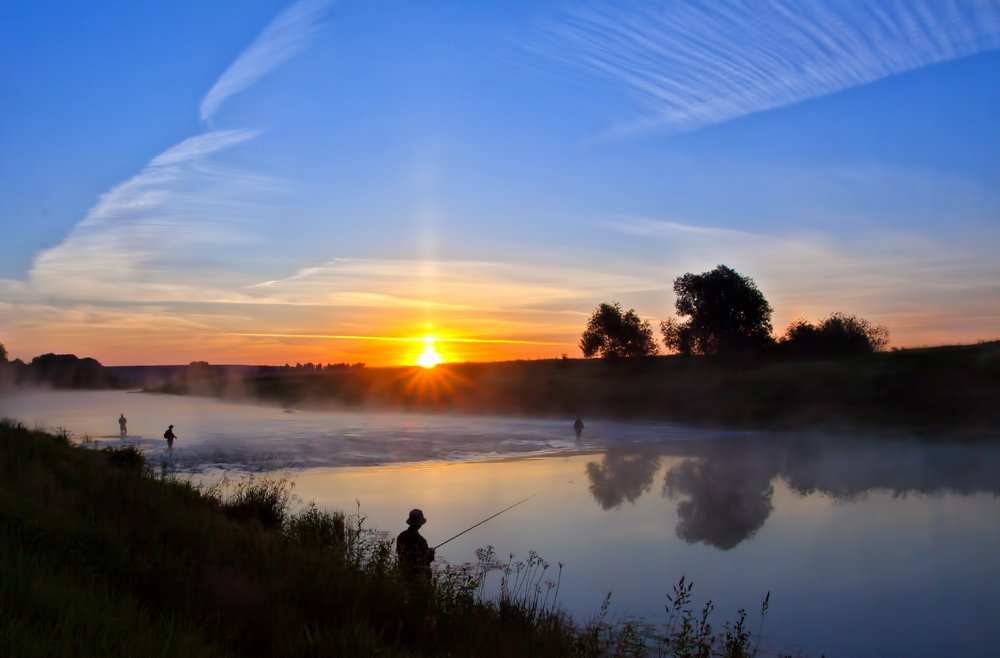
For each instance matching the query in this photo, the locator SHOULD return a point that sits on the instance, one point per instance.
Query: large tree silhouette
(726, 314)
(614, 334)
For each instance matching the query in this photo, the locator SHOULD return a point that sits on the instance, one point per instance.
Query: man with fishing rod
(414, 553)
(415, 556)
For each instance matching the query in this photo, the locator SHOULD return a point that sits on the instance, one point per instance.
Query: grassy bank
(933, 390)
(101, 556)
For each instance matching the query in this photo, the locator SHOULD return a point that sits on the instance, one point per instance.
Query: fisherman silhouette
(170, 436)
(415, 556)
(578, 426)
(121, 425)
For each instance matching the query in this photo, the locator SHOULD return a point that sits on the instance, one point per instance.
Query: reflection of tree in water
(845, 470)
(729, 500)
(622, 475)
(724, 486)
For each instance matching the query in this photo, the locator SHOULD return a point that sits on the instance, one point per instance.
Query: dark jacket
(414, 554)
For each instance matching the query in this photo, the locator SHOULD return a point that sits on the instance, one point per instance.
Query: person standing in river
(122, 429)
(170, 436)
(578, 427)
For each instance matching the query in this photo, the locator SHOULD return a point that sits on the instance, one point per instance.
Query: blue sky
(277, 181)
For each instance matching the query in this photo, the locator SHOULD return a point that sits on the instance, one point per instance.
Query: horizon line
(399, 339)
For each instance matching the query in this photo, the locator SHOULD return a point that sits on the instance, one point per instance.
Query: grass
(100, 556)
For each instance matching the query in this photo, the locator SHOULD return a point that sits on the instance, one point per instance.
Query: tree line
(723, 313)
(57, 370)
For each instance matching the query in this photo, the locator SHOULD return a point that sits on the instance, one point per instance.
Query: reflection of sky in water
(870, 574)
(868, 548)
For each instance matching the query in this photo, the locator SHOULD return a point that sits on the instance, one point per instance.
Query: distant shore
(939, 392)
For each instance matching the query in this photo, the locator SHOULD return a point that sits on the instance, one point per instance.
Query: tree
(726, 314)
(68, 371)
(198, 370)
(837, 335)
(613, 334)
(7, 371)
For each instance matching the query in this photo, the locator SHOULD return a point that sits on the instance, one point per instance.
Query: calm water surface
(868, 547)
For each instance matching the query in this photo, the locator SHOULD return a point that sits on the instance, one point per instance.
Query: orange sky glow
(242, 206)
(120, 342)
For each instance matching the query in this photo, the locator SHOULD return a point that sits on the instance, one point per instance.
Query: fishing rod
(492, 517)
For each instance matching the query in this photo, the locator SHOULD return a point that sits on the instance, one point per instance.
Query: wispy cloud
(403, 339)
(147, 238)
(455, 285)
(284, 37)
(688, 64)
(199, 146)
(177, 206)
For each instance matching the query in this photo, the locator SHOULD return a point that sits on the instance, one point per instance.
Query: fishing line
(538, 493)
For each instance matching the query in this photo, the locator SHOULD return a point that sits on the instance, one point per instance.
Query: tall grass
(100, 557)
(264, 500)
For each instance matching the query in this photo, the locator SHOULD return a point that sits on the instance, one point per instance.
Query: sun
(429, 357)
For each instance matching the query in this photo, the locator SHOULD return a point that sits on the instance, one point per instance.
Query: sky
(267, 181)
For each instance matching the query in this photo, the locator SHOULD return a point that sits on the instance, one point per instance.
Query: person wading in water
(170, 436)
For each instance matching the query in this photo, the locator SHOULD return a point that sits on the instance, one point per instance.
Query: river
(868, 547)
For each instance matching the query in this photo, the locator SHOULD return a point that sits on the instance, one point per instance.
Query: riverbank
(941, 391)
(102, 556)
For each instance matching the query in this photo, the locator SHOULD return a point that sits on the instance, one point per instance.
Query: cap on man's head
(416, 517)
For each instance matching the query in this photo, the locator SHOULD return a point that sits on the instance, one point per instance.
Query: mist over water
(868, 547)
(213, 434)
